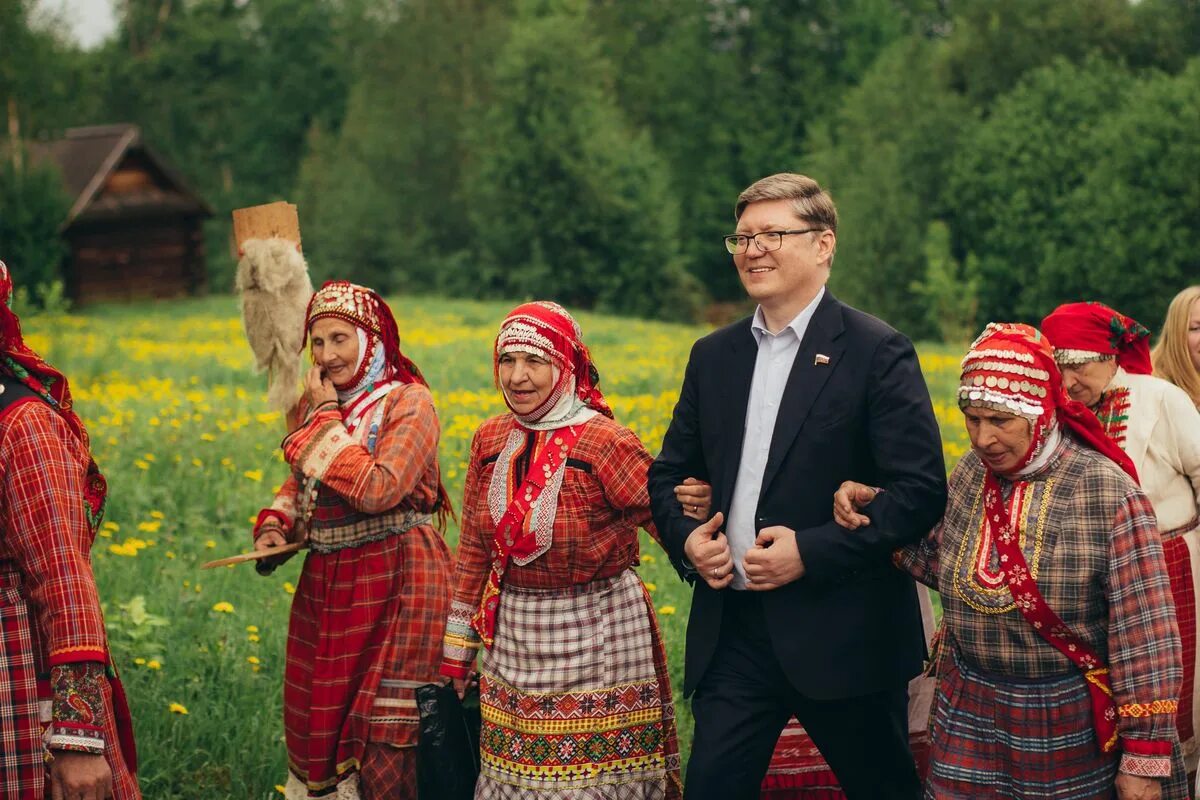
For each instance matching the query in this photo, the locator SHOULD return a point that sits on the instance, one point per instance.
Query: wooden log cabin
(135, 228)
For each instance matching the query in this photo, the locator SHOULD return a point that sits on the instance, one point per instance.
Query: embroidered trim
(973, 581)
(1148, 709)
(1145, 767)
(1113, 413)
(460, 642)
(74, 743)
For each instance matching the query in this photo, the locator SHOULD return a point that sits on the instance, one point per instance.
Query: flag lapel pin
(821, 360)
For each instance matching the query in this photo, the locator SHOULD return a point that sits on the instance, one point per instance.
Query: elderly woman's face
(1085, 382)
(527, 380)
(335, 348)
(1000, 439)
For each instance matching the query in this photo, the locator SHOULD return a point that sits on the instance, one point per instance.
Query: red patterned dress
(58, 689)
(575, 692)
(371, 604)
(1012, 715)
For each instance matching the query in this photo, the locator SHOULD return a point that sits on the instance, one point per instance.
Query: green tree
(32, 206)
(384, 198)
(1131, 226)
(229, 91)
(1013, 174)
(994, 45)
(885, 155)
(571, 202)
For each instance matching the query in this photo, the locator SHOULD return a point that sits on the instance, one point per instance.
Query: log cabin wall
(135, 259)
(135, 230)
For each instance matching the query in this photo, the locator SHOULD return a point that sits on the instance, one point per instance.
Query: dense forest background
(990, 158)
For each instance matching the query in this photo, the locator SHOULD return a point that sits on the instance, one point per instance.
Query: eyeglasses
(766, 241)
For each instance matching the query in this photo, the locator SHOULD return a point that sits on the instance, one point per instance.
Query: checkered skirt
(366, 630)
(999, 739)
(576, 699)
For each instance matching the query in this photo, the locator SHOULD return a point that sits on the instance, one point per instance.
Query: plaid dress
(575, 691)
(372, 599)
(50, 619)
(1012, 717)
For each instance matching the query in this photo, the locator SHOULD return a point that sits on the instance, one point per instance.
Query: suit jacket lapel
(806, 380)
(737, 375)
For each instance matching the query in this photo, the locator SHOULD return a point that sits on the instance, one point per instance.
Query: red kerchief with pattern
(1089, 331)
(546, 329)
(1011, 368)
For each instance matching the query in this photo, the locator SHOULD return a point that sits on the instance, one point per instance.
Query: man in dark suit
(790, 614)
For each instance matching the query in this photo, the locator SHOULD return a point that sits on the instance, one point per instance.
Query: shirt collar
(799, 323)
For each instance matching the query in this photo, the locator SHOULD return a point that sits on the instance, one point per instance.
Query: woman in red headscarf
(64, 723)
(1063, 667)
(574, 685)
(372, 599)
(1104, 357)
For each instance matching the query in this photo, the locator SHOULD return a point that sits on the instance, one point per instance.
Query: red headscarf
(1097, 330)
(364, 309)
(22, 363)
(546, 330)
(1011, 368)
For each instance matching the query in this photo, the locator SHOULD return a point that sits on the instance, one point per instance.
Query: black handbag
(448, 743)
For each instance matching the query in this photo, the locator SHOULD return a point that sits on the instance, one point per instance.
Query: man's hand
(774, 560)
(696, 498)
(710, 557)
(848, 500)
(79, 776)
(1133, 787)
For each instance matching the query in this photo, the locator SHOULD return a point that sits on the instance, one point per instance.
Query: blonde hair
(810, 202)
(1171, 358)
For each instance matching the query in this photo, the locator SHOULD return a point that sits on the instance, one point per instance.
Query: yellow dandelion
(141, 464)
(648, 559)
(210, 544)
(148, 456)
(178, 708)
(288, 587)
(222, 607)
(154, 663)
(170, 554)
(112, 526)
(254, 474)
(252, 660)
(253, 637)
(251, 629)
(279, 787)
(666, 611)
(139, 661)
(650, 587)
(150, 527)
(197, 462)
(207, 437)
(157, 515)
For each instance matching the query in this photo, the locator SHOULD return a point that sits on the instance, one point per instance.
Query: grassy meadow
(180, 426)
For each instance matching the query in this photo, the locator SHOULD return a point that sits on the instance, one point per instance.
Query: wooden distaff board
(265, 222)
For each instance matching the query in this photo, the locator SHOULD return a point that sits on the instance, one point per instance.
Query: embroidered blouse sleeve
(48, 535)
(405, 451)
(461, 642)
(621, 470)
(282, 511)
(1144, 652)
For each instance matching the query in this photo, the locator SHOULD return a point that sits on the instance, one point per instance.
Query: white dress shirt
(776, 354)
